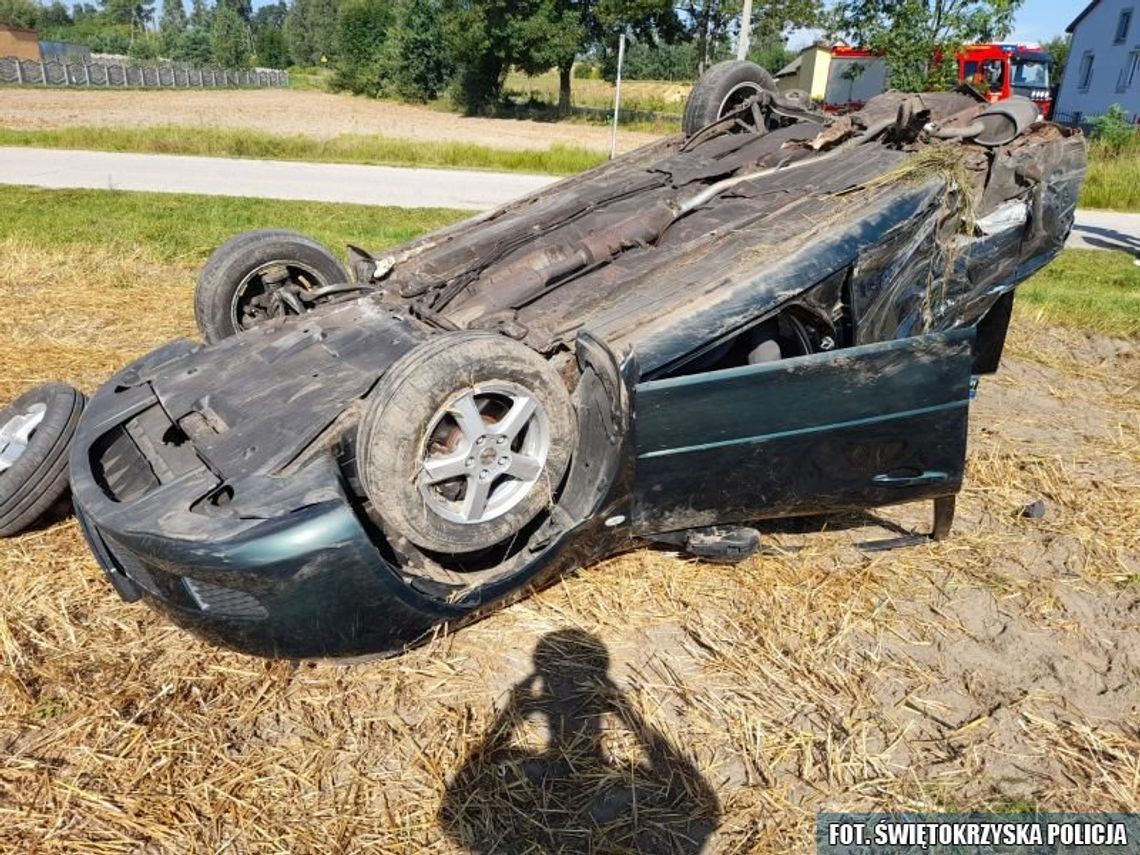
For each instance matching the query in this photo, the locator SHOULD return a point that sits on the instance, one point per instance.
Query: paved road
(372, 185)
(269, 179)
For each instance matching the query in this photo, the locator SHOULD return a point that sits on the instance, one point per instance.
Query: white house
(1104, 62)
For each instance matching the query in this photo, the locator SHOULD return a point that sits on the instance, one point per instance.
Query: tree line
(421, 49)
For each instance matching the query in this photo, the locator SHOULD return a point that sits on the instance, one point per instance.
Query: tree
(712, 23)
(136, 13)
(271, 15)
(920, 38)
(194, 47)
(362, 28)
(771, 53)
(271, 48)
(414, 63)
(269, 43)
(1057, 48)
(477, 39)
(19, 13)
(54, 15)
(229, 39)
(310, 29)
(199, 14)
(486, 37)
(172, 23)
(244, 8)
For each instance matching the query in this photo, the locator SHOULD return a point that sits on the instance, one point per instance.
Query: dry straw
(996, 669)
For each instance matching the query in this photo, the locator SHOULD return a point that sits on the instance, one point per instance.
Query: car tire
(721, 88)
(231, 294)
(35, 435)
(478, 401)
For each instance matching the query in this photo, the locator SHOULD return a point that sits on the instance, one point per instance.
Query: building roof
(12, 28)
(1081, 17)
(792, 67)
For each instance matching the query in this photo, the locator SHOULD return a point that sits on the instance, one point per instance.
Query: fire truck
(997, 70)
(1002, 70)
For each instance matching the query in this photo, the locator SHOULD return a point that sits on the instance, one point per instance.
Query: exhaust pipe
(1004, 121)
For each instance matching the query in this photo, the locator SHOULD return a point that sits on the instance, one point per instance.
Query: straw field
(648, 703)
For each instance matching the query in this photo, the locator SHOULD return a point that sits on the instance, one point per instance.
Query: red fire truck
(1002, 70)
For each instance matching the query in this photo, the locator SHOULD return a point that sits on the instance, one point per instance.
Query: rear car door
(853, 428)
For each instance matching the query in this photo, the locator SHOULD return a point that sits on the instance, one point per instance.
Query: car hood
(186, 424)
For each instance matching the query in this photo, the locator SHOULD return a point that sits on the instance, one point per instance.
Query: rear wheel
(35, 434)
(260, 275)
(465, 441)
(722, 90)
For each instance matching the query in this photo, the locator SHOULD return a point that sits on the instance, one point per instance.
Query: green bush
(361, 29)
(1113, 130)
(414, 65)
(587, 71)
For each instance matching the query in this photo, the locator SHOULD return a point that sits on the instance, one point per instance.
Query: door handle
(928, 477)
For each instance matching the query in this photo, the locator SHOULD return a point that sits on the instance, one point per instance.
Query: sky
(1036, 21)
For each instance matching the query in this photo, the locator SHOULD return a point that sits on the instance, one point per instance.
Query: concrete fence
(26, 72)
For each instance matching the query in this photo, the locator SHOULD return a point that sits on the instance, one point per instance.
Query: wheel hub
(17, 432)
(486, 449)
(273, 290)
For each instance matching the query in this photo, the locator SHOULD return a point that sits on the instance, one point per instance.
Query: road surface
(266, 179)
(370, 185)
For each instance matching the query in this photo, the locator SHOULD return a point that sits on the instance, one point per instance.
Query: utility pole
(617, 95)
(742, 44)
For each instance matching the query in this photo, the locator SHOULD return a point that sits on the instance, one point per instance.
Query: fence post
(86, 74)
(19, 72)
(43, 73)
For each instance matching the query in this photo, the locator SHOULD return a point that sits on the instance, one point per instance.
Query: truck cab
(1003, 70)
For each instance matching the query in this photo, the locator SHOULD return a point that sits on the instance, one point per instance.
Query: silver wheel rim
(16, 433)
(484, 453)
(240, 308)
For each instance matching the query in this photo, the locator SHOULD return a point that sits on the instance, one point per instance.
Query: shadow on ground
(1104, 238)
(548, 777)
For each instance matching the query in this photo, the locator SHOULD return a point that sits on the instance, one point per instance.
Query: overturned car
(771, 314)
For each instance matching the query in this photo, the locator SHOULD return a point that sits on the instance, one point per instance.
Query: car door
(852, 428)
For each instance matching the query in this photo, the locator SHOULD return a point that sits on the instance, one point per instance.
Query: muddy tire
(35, 435)
(464, 441)
(248, 279)
(720, 90)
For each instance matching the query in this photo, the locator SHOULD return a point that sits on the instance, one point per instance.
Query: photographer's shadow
(570, 794)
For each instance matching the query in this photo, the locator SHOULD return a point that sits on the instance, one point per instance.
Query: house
(1104, 62)
(19, 42)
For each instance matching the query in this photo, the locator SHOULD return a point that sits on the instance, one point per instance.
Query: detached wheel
(721, 90)
(465, 441)
(35, 435)
(259, 275)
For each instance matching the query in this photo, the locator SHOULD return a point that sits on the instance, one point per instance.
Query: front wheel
(260, 275)
(465, 441)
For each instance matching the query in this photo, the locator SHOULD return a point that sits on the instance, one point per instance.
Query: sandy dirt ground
(283, 111)
(649, 703)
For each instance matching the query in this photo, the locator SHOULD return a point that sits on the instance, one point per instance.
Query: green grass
(1088, 288)
(186, 229)
(347, 148)
(1113, 179)
(1093, 289)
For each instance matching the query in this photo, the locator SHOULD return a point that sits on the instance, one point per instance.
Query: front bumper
(309, 585)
